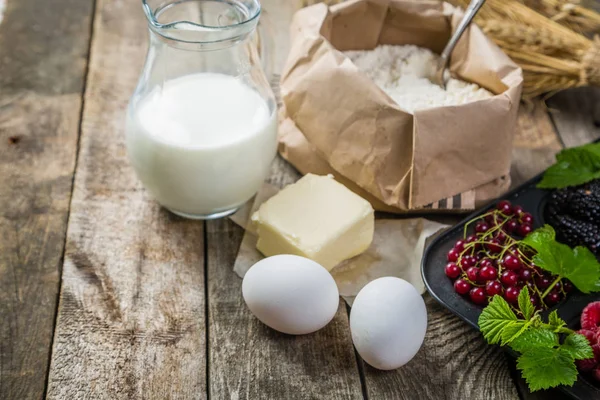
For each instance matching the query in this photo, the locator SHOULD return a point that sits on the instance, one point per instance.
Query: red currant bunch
(492, 261)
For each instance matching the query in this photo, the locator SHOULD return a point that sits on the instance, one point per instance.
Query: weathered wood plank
(43, 55)
(247, 359)
(454, 363)
(251, 361)
(535, 143)
(131, 315)
(576, 114)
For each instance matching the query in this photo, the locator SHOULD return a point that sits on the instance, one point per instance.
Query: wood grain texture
(454, 363)
(131, 315)
(247, 359)
(43, 55)
(535, 143)
(576, 114)
(251, 361)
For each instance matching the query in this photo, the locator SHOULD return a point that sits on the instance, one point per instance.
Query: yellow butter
(317, 218)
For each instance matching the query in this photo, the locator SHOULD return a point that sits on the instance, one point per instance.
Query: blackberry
(575, 214)
(560, 198)
(576, 232)
(584, 203)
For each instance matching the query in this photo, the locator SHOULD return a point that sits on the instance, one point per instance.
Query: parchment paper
(396, 250)
(405, 161)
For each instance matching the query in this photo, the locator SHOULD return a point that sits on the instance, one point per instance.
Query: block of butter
(317, 218)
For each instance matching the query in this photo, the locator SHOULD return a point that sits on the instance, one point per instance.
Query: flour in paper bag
(406, 72)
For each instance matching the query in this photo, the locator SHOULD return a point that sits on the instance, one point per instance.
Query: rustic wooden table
(104, 295)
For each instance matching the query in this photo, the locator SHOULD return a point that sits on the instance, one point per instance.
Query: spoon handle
(470, 13)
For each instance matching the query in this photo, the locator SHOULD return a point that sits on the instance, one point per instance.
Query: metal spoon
(470, 13)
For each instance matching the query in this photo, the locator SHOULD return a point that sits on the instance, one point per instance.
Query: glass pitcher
(201, 124)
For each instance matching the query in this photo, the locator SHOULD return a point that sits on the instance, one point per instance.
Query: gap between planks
(206, 309)
(130, 322)
(62, 257)
(40, 99)
(360, 365)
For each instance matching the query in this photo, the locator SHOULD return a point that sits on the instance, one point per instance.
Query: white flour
(403, 72)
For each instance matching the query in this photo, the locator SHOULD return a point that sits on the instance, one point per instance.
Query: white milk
(203, 144)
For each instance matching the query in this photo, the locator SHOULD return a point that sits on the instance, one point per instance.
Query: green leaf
(578, 265)
(554, 319)
(496, 317)
(578, 347)
(540, 237)
(513, 331)
(525, 304)
(543, 362)
(544, 368)
(573, 167)
(534, 339)
(555, 322)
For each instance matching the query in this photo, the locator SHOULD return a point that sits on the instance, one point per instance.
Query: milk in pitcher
(202, 143)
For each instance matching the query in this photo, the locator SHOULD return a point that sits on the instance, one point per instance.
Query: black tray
(533, 200)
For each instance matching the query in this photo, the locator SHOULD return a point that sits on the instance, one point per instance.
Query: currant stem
(549, 288)
(530, 261)
(504, 250)
(473, 220)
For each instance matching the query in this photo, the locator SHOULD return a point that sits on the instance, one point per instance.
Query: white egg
(291, 294)
(388, 322)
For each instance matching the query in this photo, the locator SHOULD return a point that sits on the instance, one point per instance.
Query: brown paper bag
(337, 120)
